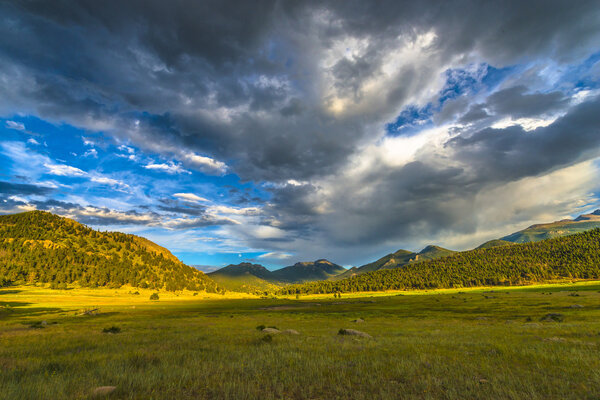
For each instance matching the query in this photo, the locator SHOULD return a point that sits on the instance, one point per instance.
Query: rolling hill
(569, 257)
(307, 271)
(244, 277)
(395, 260)
(40, 247)
(255, 277)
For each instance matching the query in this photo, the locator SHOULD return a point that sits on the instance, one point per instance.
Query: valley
(453, 344)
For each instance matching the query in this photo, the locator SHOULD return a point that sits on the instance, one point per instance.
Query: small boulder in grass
(358, 321)
(553, 317)
(271, 330)
(290, 332)
(101, 391)
(353, 332)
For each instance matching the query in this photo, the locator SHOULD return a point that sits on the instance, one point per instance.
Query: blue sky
(279, 135)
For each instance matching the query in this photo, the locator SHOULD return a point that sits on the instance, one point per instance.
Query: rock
(555, 339)
(291, 332)
(44, 323)
(483, 380)
(271, 330)
(103, 391)
(576, 306)
(552, 317)
(353, 332)
(358, 320)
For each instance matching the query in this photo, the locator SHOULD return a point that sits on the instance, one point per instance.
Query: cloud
(191, 197)
(91, 153)
(205, 163)
(170, 168)
(64, 170)
(276, 255)
(296, 98)
(19, 126)
(103, 180)
(9, 188)
(33, 142)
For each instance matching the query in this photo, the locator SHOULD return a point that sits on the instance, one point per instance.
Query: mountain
(247, 277)
(307, 271)
(570, 257)
(38, 246)
(565, 227)
(398, 259)
(244, 277)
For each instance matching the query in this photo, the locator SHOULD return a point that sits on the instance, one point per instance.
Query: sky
(284, 131)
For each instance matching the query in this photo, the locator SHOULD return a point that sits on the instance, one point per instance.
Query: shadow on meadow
(10, 292)
(18, 309)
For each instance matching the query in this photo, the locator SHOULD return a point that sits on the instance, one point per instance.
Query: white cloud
(109, 181)
(276, 255)
(205, 164)
(191, 197)
(33, 141)
(64, 170)
(222, 209)
(170, 168)
(19, 126)
(91, 153)
(127, 149)
(528, 124)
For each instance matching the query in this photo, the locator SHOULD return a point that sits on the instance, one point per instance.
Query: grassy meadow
(448, 344)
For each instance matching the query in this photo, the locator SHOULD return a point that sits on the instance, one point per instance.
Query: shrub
(268, 338)
(260, 327)
(154, 296)
(112, 329)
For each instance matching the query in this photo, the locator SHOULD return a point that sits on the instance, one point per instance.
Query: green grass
(473, 344)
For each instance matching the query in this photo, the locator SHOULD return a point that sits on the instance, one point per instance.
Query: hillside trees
(570, 257)
(42, 247)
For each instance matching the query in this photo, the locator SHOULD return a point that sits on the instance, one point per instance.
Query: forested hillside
(570, 257)
(244, 277)
(42, 247)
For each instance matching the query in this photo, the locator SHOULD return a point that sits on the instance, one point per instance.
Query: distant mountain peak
(549, 230)
(431, 248)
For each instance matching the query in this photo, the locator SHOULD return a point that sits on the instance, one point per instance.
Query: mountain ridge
(564, 227)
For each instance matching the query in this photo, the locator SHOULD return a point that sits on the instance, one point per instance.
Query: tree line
(569, 257)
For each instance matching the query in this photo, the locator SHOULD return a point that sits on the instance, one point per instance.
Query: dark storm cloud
(476, 112)
(247, 83)
(512, 153)
(112, 60)
(9, 188)
(179, 208)
(422, 199)
(517, 103)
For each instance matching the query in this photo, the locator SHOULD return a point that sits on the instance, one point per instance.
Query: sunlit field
(476, 344)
